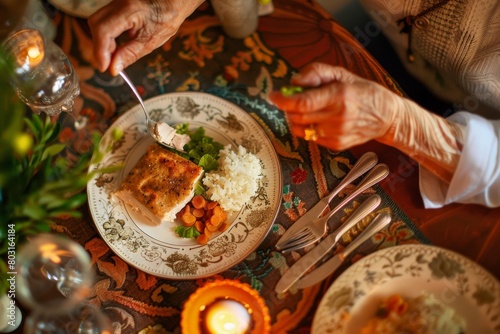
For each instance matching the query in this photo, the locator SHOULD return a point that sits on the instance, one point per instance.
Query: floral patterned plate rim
(79, 8)
(157, 249)
(409, 270)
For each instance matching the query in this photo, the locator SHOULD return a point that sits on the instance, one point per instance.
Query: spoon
(163, 133)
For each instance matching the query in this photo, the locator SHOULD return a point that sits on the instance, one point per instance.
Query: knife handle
(378, 223)
(330, 266)
(364, 209)
(363, 165)
(377, 174)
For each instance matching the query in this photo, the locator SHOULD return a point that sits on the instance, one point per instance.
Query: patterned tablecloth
(201, 58)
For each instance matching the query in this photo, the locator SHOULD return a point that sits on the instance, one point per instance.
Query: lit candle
(31, 57)
(28, 48)
(50, 252)
(226, 316)
(34, 55)
(225, 307)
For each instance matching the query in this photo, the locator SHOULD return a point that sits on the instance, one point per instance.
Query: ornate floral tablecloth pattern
(202, 58)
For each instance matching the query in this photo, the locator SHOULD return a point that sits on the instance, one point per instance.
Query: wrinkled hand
(148, 23)
(346, 110)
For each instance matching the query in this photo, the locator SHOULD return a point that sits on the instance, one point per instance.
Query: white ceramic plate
(157, 249)
(79, 8)
(409, 270)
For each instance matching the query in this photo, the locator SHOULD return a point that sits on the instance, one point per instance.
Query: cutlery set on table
(313, 226)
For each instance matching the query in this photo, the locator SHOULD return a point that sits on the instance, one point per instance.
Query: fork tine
(302, 245)
(298, 236)
(306, 238)
(299, 243)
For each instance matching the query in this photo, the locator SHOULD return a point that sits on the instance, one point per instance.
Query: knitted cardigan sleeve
(456, 48)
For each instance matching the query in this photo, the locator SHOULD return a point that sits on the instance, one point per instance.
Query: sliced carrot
(211, 227)
(198, 213)
(223, 227)
(210, 205)
(198, 202)
(207, 232)
(188, 219)
(207, 217)
(202, 239)
(223, 216)
(217, 210)
(215, 220)
(200, 226)
(183, 210)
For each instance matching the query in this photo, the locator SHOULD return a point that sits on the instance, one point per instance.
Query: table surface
(202, 58)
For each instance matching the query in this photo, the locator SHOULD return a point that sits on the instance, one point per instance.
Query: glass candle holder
(54, 274)
(225, 307)
(43, 77)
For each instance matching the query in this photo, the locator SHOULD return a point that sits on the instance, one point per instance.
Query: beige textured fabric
(457, 48)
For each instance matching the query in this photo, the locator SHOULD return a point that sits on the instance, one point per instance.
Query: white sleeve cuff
(477, 177)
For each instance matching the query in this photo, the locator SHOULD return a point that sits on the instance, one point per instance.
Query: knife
(330, 266)
(300, 267)
(364, 164)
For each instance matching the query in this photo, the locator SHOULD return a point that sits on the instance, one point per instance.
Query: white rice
(236, 179)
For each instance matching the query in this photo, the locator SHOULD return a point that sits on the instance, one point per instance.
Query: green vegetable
(187, 232)
(202, 150)
(291, 90)
(199, 189)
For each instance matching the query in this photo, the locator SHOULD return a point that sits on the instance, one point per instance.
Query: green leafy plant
(37, 183)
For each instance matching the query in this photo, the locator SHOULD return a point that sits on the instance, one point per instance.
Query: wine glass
(44, 78)
(54, 274)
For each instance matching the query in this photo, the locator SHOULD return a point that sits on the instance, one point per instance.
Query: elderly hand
(149, 24)
(345, 110)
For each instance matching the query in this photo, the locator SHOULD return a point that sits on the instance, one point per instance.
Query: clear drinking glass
(44, 78)
(54, 274)
(54, 277)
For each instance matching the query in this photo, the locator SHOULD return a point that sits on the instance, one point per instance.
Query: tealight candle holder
(43, 76)
(225, 307)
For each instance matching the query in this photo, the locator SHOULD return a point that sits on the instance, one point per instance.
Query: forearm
(431, 140)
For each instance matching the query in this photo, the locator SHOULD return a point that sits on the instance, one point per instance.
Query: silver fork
(315, 229)
(366, 162)
(163, 133)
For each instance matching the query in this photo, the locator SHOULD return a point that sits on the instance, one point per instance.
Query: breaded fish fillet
(160, 184)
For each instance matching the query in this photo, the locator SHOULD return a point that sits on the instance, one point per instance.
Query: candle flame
(49, 250)
(31, 57)
(227, 317)
(33, 52)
